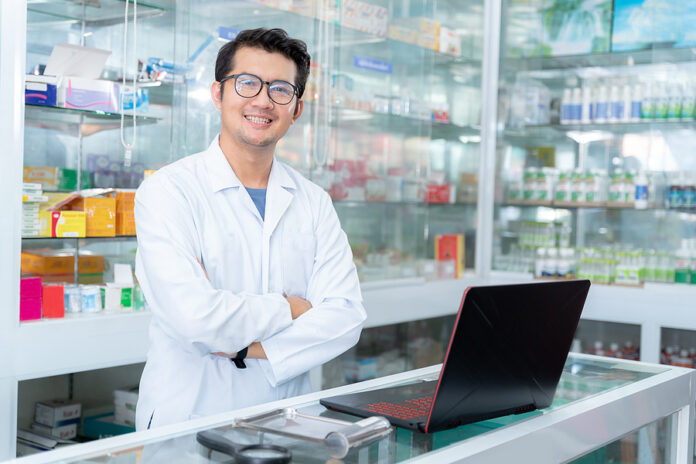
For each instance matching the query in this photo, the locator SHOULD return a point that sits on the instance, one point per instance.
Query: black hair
(273, 41)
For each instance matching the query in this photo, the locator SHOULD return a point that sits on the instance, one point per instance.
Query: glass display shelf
(591, 205)
(116, 238)
(629, 58)
(96, 12)
(588, 386)
(607, 129)
(362, 204)
(67, 119)
(376, 46)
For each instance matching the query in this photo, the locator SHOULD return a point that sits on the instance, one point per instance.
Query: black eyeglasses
(249, 86)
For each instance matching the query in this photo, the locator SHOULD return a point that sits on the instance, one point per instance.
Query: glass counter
(598, 401)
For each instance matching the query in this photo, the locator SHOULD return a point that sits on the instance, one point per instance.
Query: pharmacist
(243, 262)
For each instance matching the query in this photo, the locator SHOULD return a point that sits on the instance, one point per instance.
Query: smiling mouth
(258, 120)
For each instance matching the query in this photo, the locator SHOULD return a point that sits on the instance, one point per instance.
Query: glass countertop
(582, 379)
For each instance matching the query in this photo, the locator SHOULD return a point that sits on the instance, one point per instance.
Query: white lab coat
(197, 210)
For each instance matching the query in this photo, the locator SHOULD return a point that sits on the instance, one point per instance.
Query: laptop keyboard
(409, 409)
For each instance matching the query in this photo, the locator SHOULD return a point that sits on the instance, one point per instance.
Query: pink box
(29, 309)
(30, 287)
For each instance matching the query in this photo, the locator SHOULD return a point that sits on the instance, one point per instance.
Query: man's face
(256, 122)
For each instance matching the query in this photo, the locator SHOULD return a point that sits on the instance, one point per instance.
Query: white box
(65, 432)
(57, 413)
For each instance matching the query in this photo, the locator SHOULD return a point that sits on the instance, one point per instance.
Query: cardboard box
(54, 178)
(63, 224)
(57, 413)
(403, 34)
(29, 309)
(64, 432)
(100, 215)
(40, 90)
(429, 26)
(103, 426)
(451, 248)
(53, 301)
(450, 42)
(89, 94)
(431, 42)
(60, 262)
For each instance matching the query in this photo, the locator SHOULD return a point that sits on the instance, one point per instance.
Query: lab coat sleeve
(334, 323)
(182, 299)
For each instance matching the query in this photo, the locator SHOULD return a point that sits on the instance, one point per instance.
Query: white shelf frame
(44, 348)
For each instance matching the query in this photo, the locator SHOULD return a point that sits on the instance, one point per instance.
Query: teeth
(258, 120)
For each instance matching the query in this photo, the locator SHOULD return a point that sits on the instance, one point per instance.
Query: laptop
(505, 356)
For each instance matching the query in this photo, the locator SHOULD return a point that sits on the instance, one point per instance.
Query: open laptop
(506, 354)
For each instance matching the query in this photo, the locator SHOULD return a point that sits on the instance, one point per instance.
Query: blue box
(40, 90)
(103, 426)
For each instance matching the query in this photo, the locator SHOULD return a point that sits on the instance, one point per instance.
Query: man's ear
(299, 106)
(216, 94)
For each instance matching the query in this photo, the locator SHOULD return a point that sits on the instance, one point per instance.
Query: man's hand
(298, 306)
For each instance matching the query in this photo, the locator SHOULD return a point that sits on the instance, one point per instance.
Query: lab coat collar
(222, 176)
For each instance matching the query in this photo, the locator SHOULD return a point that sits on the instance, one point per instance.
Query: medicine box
(29, 299)
(103, 426)
(53, 301)
(63, 224)
(40, 90)
(360, 369)
(100, 215)
(451, 248)
(89, 94)
(54, 178)
(57, 413)
(64, 432)
(60, 262)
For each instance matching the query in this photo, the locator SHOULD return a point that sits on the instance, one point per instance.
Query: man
(239, 256)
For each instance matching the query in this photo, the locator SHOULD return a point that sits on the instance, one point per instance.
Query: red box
(438, 193)
(53, 302)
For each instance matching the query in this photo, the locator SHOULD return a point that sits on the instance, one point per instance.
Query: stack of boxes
(29, 299)
(57, 418)
(125, 401)
(125, 215)
(54, 178)
(58, 265)
(32, 196)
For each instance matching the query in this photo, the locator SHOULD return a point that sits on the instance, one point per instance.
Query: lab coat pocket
(298, 262)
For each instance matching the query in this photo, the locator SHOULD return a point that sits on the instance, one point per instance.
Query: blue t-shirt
(258, 196)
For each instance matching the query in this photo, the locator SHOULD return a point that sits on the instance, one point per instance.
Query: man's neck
(251, 166)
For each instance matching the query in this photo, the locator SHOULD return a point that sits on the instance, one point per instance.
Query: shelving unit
(329, 130)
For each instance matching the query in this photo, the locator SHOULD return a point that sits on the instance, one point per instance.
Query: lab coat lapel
(278, 197)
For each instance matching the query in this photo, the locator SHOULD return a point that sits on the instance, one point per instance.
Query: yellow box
(63, 224)
(429, 26)
(101, 215)
(429, 41)
(60, 262)
(125, 223)
(403, 34)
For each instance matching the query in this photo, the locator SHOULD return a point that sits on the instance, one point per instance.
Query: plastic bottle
(674, 191)
(674, 102)
(647, 107)
(566, 106)
(636, 103)
(601, 105)
(687, 103)
(598, 348)
(577, 105)
(627, 103)
(661, 101)
(586, 112)
(616, 106)
(641, 191)
(613, 350)
(688, 194)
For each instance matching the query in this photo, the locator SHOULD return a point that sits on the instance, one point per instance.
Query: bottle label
(675, 194)
(602, 110)
(641, 193)
(635, 109)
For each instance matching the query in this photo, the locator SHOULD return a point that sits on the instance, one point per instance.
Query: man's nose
(263, 99)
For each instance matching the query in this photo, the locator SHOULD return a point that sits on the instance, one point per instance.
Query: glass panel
(595, 165)
(73, 141)
(581, 379)
(652, 443)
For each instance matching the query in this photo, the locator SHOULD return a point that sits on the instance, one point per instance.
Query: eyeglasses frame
(268, 88)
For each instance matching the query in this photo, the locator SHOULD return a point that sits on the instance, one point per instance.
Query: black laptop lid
(507, 350)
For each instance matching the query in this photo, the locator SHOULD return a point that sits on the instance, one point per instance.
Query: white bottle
(566, 106)
(577, 105)
(586, 116)
(636, 103)
(647, 107)
(660, 101)
(601, 105)
(627, 103)
(615, 104)
(687, 103)
(674, 102)
(641, 191)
